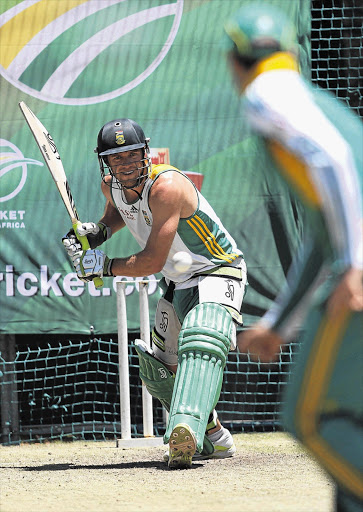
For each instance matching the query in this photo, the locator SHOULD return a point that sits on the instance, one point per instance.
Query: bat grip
(97, 281)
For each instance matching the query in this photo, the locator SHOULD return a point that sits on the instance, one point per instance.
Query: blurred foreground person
(315, 143)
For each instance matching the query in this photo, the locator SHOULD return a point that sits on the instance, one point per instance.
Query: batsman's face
(127, 166)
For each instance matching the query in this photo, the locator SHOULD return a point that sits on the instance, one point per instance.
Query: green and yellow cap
(257, 29)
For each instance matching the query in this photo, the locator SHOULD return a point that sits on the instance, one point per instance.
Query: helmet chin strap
(141, 180)
(136, 192)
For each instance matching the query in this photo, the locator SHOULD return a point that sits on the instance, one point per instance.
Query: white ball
(182, 261)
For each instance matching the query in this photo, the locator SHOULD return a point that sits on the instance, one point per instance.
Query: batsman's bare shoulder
(174, 192)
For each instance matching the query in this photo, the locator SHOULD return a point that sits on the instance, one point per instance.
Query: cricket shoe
(182, 446)
(222, 441)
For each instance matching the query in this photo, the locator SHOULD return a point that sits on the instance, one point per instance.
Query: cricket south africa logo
(82, 52)
(13, 170)
(120, 138)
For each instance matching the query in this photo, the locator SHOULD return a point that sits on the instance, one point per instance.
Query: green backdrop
(78, 64)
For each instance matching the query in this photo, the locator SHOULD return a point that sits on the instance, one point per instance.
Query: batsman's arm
(166, 200)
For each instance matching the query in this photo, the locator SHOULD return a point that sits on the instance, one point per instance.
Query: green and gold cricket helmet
(120, 135)
(258, 29)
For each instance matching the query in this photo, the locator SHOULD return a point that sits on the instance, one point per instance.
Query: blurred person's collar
(276, 61)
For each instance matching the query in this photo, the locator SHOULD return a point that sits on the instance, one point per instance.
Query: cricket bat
(51, 156)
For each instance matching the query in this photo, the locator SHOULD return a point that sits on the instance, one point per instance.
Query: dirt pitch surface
(269, 473)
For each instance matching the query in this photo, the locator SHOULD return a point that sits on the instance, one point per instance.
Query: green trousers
(323, 406)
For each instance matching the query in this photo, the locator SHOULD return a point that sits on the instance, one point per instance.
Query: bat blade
(52, 158)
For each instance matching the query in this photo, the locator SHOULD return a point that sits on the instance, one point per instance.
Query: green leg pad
(159, 381)
(204, 342)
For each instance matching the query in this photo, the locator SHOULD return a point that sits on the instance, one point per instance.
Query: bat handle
(97, 281)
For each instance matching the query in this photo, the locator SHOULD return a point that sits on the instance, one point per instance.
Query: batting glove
(71, 244)
(92, 263)
(96, 234)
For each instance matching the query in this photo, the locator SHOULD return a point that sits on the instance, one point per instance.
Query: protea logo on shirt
(81, 52)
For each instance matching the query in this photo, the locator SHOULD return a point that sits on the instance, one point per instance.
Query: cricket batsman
(195, 321)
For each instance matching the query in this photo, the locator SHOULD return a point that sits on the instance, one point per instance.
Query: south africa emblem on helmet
(120, 138)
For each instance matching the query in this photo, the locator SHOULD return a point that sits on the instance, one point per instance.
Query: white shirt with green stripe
(202, 235)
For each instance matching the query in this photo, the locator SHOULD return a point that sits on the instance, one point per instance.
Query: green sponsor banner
(78, 64)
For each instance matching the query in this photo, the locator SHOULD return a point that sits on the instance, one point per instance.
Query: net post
(147, 404)
(9, 404)
(123, 358)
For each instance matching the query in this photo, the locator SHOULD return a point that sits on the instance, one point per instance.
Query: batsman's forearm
(136, 265)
